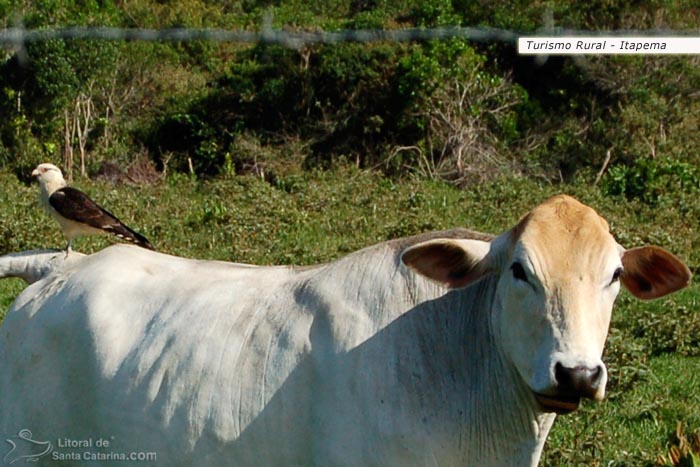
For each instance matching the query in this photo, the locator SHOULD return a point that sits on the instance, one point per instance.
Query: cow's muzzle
(573, 384)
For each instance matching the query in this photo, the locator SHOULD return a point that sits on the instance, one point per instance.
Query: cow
(446, 348)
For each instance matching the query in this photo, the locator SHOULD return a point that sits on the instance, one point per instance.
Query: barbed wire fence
(14, 39)
(17, 36)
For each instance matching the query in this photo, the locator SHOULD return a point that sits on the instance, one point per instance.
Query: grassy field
(653, 350)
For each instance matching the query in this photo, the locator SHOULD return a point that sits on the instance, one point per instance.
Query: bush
(466, 117)
(459, 110)
(650, 180)
(675, 330)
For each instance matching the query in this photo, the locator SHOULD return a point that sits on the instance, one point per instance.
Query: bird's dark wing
(75, 205)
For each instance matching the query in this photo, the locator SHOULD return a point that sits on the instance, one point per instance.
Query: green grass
(653, 350)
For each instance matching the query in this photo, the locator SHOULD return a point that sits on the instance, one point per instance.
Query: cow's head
(559, 271)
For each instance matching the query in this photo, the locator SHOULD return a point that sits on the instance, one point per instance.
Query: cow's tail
(34, 265)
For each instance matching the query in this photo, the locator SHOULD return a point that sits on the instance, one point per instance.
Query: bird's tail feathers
(125, 233)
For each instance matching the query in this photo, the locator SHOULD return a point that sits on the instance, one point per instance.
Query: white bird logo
(24, 442)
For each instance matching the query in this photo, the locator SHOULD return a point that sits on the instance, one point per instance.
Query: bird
(76, 213)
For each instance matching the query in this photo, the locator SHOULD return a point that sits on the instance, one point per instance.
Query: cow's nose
(578, 381)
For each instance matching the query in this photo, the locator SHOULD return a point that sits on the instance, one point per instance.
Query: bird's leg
(68, 247)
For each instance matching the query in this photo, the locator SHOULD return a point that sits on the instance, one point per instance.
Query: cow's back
(164, 354)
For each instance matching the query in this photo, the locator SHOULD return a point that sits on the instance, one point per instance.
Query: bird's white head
(50, 177)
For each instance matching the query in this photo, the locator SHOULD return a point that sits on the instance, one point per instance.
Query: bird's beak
(35, 173)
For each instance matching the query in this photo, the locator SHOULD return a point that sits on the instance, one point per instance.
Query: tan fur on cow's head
(562, 231)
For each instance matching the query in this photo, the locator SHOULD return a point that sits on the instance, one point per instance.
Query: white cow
(450, 348)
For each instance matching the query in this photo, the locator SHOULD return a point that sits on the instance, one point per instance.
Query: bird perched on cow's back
(76, 213)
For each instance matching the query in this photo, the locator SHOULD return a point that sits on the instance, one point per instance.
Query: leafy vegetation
(685, 450)
(452, 109)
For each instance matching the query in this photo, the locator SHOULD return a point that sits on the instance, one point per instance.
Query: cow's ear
(454, 263)
(652, 272)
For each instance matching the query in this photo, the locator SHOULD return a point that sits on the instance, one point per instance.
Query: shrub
(649, 179)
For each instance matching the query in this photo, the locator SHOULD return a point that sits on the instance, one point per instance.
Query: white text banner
(607, 45)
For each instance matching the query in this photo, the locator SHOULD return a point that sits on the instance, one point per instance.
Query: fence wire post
(548, 30)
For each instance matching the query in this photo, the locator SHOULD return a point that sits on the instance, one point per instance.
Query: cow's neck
(499, 416)
(417, 367)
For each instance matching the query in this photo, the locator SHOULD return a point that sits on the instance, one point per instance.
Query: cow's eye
(616, 275)
(518, 271)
